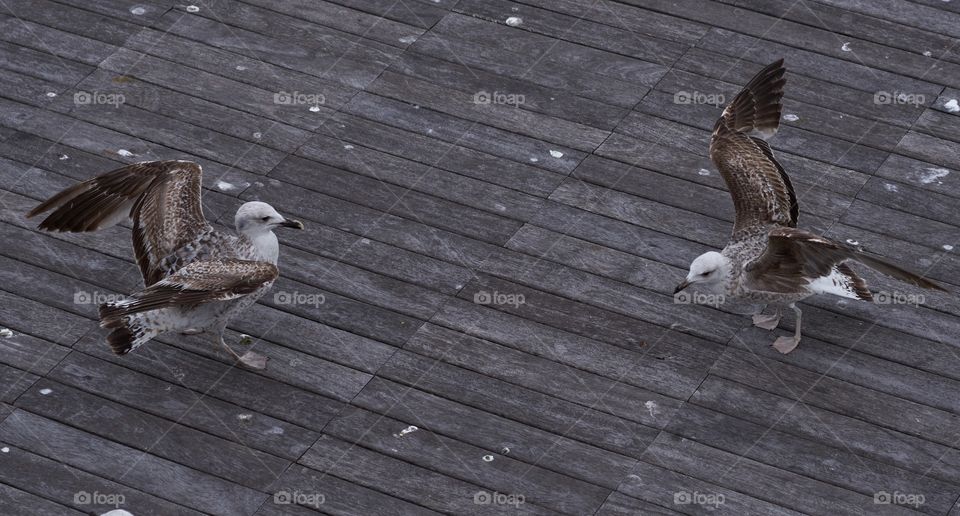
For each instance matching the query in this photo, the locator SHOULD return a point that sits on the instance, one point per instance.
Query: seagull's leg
(767, 322)
(787, 344)
(249, 359)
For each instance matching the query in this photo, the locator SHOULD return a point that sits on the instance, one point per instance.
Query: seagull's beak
(681, 286)
(291, 223)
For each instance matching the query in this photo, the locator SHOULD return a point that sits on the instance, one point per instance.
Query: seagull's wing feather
(162, 197)
(196, 283)
(762, 192)
(794, 258)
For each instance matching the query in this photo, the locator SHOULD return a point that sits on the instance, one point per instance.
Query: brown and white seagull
(768, 259)
(196, 277)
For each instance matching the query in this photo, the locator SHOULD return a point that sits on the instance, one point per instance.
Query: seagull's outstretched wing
(162, 198)
(136, 320)
(761, 191)
(795, 260)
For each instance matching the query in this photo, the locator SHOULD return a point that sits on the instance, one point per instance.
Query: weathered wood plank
(115, 461)
(808, 458)
(170, 440)
(216, 380)
(176, 403)
(502, 474)
(340, 497)
(400, 479)
(62, 483)
(495, 432)
(793, 417)
(15, 502)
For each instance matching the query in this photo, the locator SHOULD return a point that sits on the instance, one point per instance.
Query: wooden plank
(481, 106)
(340, 497)
(658, 485)
(14, 382)
(387, 198)
(573, 350)
(447, 72)
(676, 360)
(115, 461)
(631, 18)
(219, 381)
(195, 111)
(512, 52)
(360, 159)
(495, 432)
(62, 484)
(841, 394)
(76, 20)
(545, 412)
(170, 440)
(176, 403)
(905, 13)
(373, 19)
(811, 459)
(812, 117)
(39, 320)
(836, 430)
(401, 479)
(35, 63)
(749, 478)
(503, 474)
(545, 376)
(371, 224)
(21, 503)
(61, 44)
(618, 504)
(149, 10)
(481, 165)
(457, 131)
(613, 38)
(341, 58)
(814, 89)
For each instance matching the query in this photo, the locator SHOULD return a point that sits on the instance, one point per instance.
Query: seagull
(768, 259)
(196, 277)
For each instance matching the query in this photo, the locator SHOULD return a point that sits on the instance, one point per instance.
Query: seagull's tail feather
(896, 272)
(129, 331)
(96, 203)
(756, 109)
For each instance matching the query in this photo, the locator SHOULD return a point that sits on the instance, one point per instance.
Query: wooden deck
(573, 199)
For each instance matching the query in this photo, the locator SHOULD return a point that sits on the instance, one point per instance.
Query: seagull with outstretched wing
(196, 277)
(768, 259)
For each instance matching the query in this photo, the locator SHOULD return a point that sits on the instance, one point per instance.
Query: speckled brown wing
(762, 192)
(196, 283)
(162, 197)
(794, 257)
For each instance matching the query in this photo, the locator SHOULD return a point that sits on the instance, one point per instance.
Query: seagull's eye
(705, 273)
(265, 219)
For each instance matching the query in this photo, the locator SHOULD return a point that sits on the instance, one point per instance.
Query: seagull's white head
(710, 270)
(255, 218)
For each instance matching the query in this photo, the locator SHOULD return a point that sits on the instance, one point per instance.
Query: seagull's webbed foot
(786, 344)
(249, 359)
(253, 360)
(767, 322)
